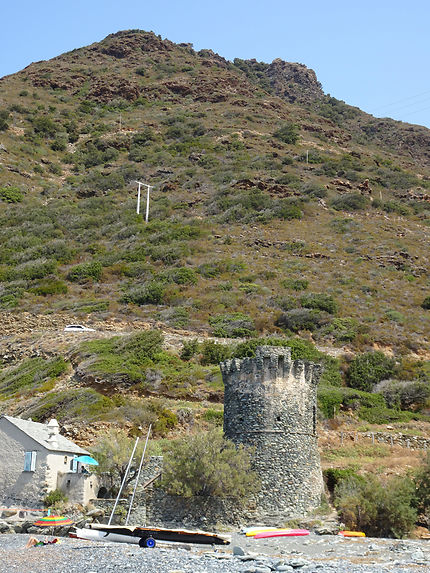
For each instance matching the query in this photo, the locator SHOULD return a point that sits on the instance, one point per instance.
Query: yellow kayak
(352, 533)
(254, 530)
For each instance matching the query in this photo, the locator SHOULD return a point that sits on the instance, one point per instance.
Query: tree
(113, 453)
(206, 464)
(368, 369)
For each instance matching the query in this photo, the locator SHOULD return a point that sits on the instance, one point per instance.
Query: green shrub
(333, 476)
(37, 269)
(395, 207)
(382, 415)
(4, 116)
(426, 303)
(11, 194)
(342, 329)
(208, 465)
(350, 202)
(295, 284)
(215, 417)
(378, 509)
(50, 287)
(422, 484)
(301, 319)
(288, 133)
(189, 349)
(165, 420)
(85, 271)
(319, 301)
(329, 401)
(368, 369)
(151, 292)
(30, 376)
(54, 498)
(142, 346)
(213, 353)
(234, 325)
(44, 126)
(332, 399)
(183, 276)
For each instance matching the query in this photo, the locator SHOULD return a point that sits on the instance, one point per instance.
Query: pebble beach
(314, 554)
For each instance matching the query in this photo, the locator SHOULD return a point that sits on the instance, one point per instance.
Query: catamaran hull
(92, 535)
(137, 534)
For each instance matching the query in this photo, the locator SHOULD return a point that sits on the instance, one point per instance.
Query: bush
(382, 415)
(183, 276)
(342, 329)
(319, 301)
(301, 319)
(332, 399)
(37, 269)
(234, 325)
(44, 125)
(422, 484)
(189, 349)
(151, 292)
(288, 133)
(350, 202)
(85, 271)
(55, 498)
(208, 465)
(368, 369)
(380, 510)
(295, 284)
(4, 116)
(213, 353)
(144, 345)
(50, 287)
(333, 476)
(404, 394)
(426, 303)
(215, 417)
(11, 194)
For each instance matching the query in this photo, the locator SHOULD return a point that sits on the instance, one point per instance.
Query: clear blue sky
(371, 54)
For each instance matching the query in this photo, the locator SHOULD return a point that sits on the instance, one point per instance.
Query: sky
(370, 54)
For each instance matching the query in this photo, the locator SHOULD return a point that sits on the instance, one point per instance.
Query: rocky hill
(275, 210)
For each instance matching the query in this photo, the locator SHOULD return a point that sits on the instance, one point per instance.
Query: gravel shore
(314, 554)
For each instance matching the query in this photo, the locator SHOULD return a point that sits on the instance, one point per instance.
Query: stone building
(36, 459)
(270, 404)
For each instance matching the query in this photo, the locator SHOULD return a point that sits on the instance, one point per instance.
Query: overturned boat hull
(134, 534)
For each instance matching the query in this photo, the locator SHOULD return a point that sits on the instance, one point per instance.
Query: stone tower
(270, 403)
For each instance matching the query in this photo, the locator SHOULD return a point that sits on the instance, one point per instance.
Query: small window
(30, 461)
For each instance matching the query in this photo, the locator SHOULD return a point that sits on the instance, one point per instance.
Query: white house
(36, 459)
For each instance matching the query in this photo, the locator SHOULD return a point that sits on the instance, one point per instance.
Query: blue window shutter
(27, 461)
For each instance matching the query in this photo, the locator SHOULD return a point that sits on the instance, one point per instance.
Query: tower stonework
(270, 404)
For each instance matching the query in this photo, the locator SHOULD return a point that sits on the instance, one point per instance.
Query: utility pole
(148, 187)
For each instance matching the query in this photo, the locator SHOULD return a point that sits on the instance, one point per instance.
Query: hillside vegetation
(278, 214)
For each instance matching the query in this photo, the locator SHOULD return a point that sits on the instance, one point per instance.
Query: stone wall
(270, 404)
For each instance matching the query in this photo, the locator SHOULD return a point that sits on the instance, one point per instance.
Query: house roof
(41, 433)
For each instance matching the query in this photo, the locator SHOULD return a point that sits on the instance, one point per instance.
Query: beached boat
(146, 536)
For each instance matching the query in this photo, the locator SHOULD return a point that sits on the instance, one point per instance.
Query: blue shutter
(27, 461)
(30, 461)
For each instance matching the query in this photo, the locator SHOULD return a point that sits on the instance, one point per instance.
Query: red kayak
(281, 533)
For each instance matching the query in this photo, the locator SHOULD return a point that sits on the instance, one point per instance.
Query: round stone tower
(270, 404)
